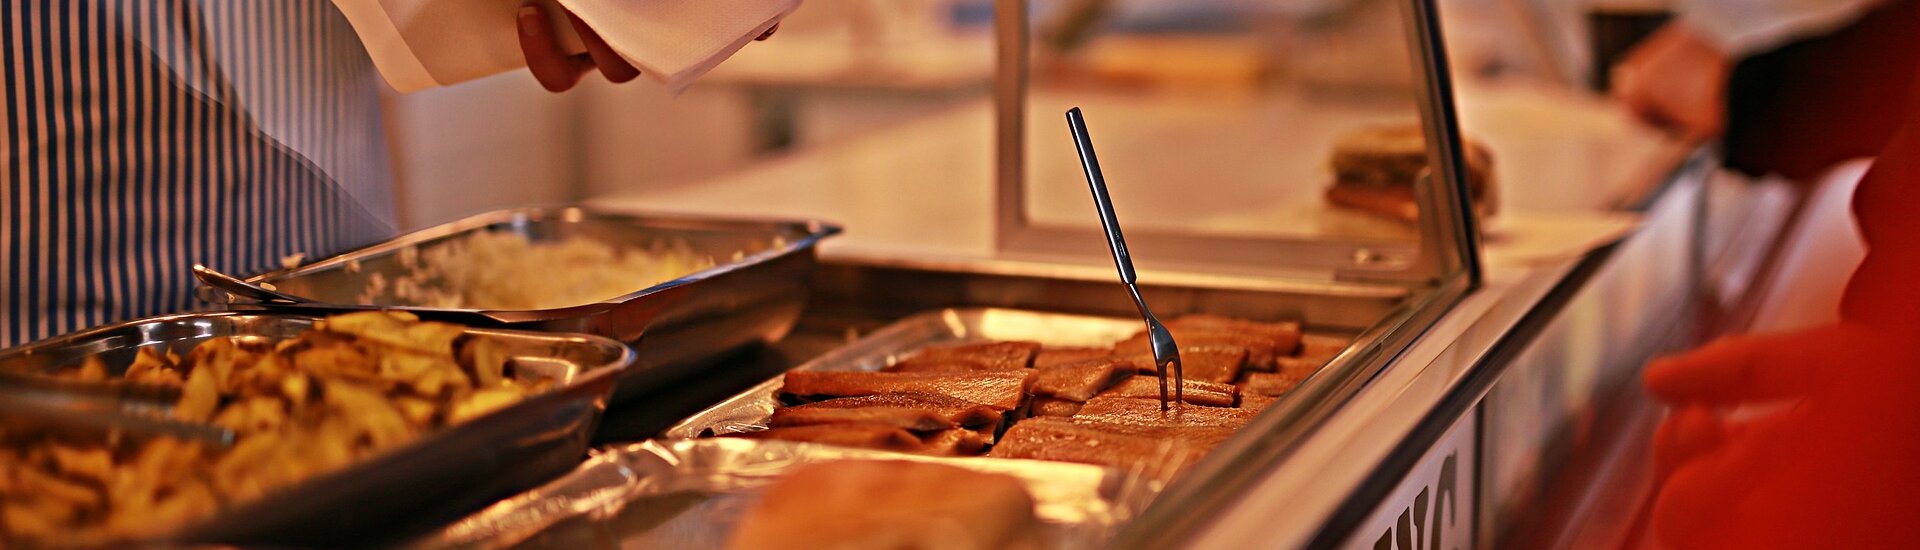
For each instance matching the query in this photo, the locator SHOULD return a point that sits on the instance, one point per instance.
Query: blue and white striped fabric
(145, 135)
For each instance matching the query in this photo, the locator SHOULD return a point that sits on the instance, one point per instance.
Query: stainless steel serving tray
(424, 484)
(691, 494)
(751, 409)
(753, 295)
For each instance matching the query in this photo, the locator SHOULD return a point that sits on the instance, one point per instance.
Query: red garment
(1887, 206)
(1840, 467)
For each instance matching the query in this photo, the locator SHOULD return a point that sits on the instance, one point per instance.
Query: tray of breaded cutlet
(1032, 385)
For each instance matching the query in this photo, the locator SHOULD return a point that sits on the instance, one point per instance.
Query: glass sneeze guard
(1219, 123)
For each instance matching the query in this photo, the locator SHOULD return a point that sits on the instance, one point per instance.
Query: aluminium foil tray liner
(692, 493)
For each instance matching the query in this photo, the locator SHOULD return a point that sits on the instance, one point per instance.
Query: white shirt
(1746, 27)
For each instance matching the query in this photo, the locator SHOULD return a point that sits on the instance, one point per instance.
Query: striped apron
(143, 136)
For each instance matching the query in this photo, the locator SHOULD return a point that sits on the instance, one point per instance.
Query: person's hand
(550, 64)
(1801, 473)
(1677, 80)
(557, 71)
(1702, 460)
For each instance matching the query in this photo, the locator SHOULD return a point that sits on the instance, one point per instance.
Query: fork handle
(1140, 303)
(1103, 202)
(103, 411)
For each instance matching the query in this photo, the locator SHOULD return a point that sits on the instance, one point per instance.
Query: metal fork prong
(1179, 383)
(1161, 370)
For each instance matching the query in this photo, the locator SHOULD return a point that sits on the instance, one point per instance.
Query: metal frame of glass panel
(1448, 236)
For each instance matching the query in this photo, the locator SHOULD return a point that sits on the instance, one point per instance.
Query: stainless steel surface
(1165, 351)
(100, 408)
(752, 297)
(234, 286)
(884, 292)
(1563, 398)
(1573, 468)
(437, 478)
(691, 494)
(1333, 471)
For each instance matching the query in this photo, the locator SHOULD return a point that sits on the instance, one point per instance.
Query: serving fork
(123, 407)
(1165, 351)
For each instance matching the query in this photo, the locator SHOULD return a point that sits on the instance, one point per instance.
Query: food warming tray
(753, 295)
(750, 410)
(692, 493)
(440, 477)
(595, 505)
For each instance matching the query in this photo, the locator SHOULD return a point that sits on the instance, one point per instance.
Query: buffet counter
(1412, 304)
(1493, 397)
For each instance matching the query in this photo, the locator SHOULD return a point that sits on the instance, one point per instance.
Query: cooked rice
(500, 270)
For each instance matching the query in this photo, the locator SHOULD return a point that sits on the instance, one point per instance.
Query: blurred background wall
(836, 68)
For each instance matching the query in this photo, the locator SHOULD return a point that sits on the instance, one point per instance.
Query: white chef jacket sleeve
(1745, 27)
(420, 44)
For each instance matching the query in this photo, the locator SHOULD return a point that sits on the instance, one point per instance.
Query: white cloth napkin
(420, 44)
(677, 41)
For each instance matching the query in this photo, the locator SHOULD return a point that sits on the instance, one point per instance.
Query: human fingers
(1733, 370)
(556, 71)
(1628, 86)
(1705, 115)
(1695, 501)
(1623, 82)
(1687, 433)
(1692, 432)
(1698, 69)
(611, 65)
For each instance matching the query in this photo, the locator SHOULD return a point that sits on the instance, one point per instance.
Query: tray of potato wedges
(1031, 385)
(343, 429)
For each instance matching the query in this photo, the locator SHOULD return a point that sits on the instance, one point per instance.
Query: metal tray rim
(42, 345)
(817, 230)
